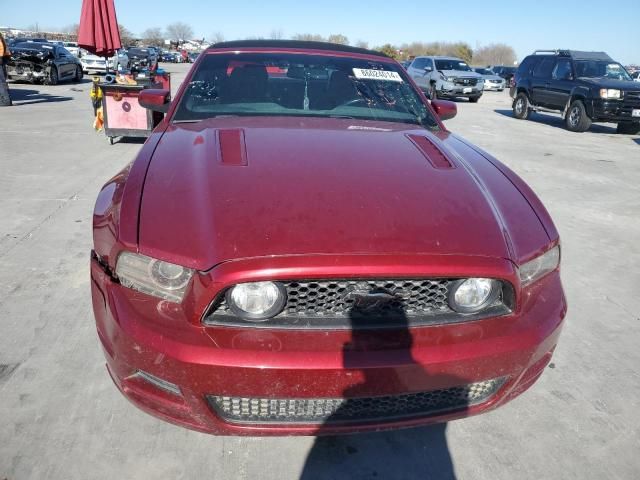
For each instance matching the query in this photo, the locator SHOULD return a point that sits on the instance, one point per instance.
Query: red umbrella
(98, 31)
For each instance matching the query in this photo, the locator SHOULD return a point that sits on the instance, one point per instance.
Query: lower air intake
(363, 409)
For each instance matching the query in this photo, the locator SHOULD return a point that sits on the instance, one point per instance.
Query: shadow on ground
(24, 96)
(556, 121)
(401, 454)
(637, 140)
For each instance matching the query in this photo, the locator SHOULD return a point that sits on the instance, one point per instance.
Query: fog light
(256, 301)
(473, 294)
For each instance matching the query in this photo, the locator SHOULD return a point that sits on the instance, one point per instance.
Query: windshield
(278, 84)
(138, 52)
(34, 46)
(484, 71)
(452, 65)
(601, 69)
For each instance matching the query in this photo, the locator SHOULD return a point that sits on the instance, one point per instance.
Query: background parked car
(43, 62)
(446, 77)
(584, 87)
(504, 72)
(491, 80)
(72, 48)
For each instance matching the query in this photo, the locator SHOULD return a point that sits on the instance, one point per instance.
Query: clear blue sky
(612, 26)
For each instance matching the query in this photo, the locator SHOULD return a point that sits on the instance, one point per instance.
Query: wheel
(501, 89)
(79, 74)
(577, 119)
(628, 128)
(521, 107)
(53, 76)
(474, 99)
(433, 93)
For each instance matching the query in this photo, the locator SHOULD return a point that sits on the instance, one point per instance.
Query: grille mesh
(339, 298)
(330, 410)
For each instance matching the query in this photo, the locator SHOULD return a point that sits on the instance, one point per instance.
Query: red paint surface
(245, 199)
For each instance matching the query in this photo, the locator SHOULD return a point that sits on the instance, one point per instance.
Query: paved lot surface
(61, 418)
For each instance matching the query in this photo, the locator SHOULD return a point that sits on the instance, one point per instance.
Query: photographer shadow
(414, 453)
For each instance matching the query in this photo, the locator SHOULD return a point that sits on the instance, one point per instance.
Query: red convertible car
(302, 247)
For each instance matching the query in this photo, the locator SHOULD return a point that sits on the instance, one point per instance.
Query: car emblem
(366, 299)
(466, 81)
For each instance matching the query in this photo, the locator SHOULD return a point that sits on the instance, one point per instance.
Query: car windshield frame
(48, 47)
(301, 84)
(588, 72)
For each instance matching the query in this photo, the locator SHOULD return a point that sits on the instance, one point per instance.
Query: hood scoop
(233, 150)
(431, 152)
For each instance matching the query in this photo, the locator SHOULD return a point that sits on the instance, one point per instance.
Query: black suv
(584, 87)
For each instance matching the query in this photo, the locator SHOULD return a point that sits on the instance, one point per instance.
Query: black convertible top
(299, 44)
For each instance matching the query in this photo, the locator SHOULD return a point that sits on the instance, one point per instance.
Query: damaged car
(302, 247)
(45, 63)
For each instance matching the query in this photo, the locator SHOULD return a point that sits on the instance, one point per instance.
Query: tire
(521, 106)
(628, 128)
(53, 76)
(79, 75)
(474, 99)
(577, 119)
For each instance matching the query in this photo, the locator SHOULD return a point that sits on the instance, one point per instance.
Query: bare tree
(495, 54)
(276, 34)
(362, 44)
(153, 37)
(126, 36)
(338, 38)
(309, 37)
(71, 29)
(216, 37)
(179, 32)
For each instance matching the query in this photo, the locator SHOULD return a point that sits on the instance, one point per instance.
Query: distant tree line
(178, 32)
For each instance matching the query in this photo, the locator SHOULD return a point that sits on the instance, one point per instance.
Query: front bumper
(292, 372)
(494, 86)
(449, 89)
(615, 110)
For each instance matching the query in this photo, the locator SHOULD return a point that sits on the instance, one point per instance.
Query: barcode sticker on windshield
(368, 74)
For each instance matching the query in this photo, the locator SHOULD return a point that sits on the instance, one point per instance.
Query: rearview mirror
(444, 108)
(155, 99)
(427, 68)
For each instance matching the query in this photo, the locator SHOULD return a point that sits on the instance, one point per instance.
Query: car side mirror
(155, 99)
(445, 109)
(427, 69)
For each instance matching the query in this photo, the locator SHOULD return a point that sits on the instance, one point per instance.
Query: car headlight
(154, 277)
(610, 93)
(537, 268)
(256, 301)
(473, 294)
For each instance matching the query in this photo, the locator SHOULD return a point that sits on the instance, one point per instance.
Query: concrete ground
(61, 417)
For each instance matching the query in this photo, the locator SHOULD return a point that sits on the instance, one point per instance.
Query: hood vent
(431, 151)
(232, 147)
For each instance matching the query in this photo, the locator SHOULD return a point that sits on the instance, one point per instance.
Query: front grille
(363, 409)
(466, 82)
(323, 298)
(362, 303)
(631, 99)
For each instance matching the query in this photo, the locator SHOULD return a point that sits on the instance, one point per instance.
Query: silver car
(491, 80)
(446, 77)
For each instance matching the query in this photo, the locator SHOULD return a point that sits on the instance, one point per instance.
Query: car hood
(460, 74)
(492, 77)
(611, 83)
(224, 189)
